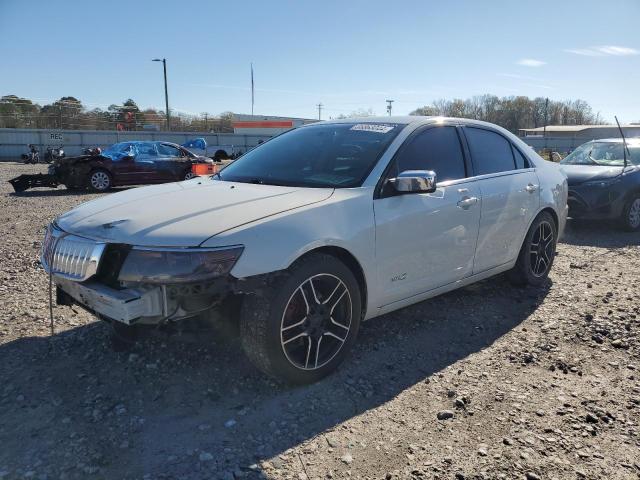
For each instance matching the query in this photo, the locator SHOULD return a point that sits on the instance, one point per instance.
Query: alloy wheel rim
(99, 180)
(316, 321)
(189, 176)
(634, 214)
(541, 249)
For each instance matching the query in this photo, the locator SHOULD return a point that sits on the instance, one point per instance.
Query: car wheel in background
(189, 175)
(537, 252)
(100, 180)
(301, 326)
(631, 214)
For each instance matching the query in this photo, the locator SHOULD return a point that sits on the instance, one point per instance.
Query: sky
(347, 55)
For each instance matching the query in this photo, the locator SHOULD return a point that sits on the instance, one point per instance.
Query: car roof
(412, 119)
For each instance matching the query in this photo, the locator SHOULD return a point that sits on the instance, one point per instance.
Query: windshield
(337, 155)
(609, 154)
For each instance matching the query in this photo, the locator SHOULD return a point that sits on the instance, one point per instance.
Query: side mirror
(415, 181)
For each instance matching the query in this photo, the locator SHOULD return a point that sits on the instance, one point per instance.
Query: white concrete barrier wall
(14, 141)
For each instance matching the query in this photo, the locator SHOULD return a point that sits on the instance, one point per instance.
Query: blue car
(601, 186)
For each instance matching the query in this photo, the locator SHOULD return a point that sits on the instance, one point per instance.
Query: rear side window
(436, 149)
(168, 150)
(490, 152)
(521, 161)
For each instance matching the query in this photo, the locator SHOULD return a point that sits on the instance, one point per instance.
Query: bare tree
(515, 112)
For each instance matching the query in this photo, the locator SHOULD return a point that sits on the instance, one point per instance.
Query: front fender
(344, 220)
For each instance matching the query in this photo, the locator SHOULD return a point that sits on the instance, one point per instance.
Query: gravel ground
(487, 382)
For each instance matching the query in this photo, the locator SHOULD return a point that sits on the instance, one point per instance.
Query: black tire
(263, 316)
(188, 174)
(532, 268)
(630, 219)
(99, 180)
(220, 155)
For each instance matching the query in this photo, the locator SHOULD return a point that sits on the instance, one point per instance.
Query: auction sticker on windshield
(372, 127)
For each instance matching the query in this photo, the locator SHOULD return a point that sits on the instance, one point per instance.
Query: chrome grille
(69, 256)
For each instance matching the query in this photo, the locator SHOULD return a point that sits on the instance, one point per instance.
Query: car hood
(577, 174)
(183, 214)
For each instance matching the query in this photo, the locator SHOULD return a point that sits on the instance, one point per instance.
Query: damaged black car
(124, 163)
(604, 181)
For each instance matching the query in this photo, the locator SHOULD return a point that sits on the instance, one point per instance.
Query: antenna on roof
(625, 149)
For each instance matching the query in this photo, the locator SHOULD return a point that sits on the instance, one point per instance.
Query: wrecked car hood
(577, 174)
(183, 214)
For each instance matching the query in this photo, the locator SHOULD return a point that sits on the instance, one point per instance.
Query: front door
(427, 240)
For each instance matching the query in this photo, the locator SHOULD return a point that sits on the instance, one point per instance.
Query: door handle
(531, 188)
(466, 202)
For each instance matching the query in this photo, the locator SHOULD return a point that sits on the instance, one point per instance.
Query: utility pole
(319, 111)
(166, 92)
(205, 121)
(389, 106)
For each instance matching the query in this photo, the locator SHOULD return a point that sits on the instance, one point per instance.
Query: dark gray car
(600, 187)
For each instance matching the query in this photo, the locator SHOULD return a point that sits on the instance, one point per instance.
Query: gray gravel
(536, 383)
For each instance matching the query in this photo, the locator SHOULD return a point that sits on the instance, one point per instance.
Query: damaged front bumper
(589, 202)
(25, 182)
(128, 306)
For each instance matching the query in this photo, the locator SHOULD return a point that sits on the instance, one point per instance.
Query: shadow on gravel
(158, 408)
(603, 234)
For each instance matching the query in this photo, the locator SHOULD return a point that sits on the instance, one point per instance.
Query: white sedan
(315, 231)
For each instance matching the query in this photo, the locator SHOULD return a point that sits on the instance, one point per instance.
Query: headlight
(177, 265)
(607, 182)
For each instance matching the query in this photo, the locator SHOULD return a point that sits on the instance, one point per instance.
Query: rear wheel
(300, 327)
(100, 180)
(631, 214)
(537, 252)
(188, 175)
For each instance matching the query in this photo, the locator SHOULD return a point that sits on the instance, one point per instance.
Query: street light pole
(166, 91)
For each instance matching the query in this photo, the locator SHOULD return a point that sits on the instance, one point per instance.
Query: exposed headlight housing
(177, 265)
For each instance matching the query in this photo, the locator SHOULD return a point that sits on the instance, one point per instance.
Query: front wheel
(537, 252)
(631, 214)
(300, 327)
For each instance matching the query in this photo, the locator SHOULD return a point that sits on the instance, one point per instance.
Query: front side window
(331, 155)
(490, 151)
(608, 154)
(436, 149)
(120, 150)
(147, 150)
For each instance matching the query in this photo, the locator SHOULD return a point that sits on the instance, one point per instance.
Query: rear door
(426, 240)
(173, 163)
(510, 196)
